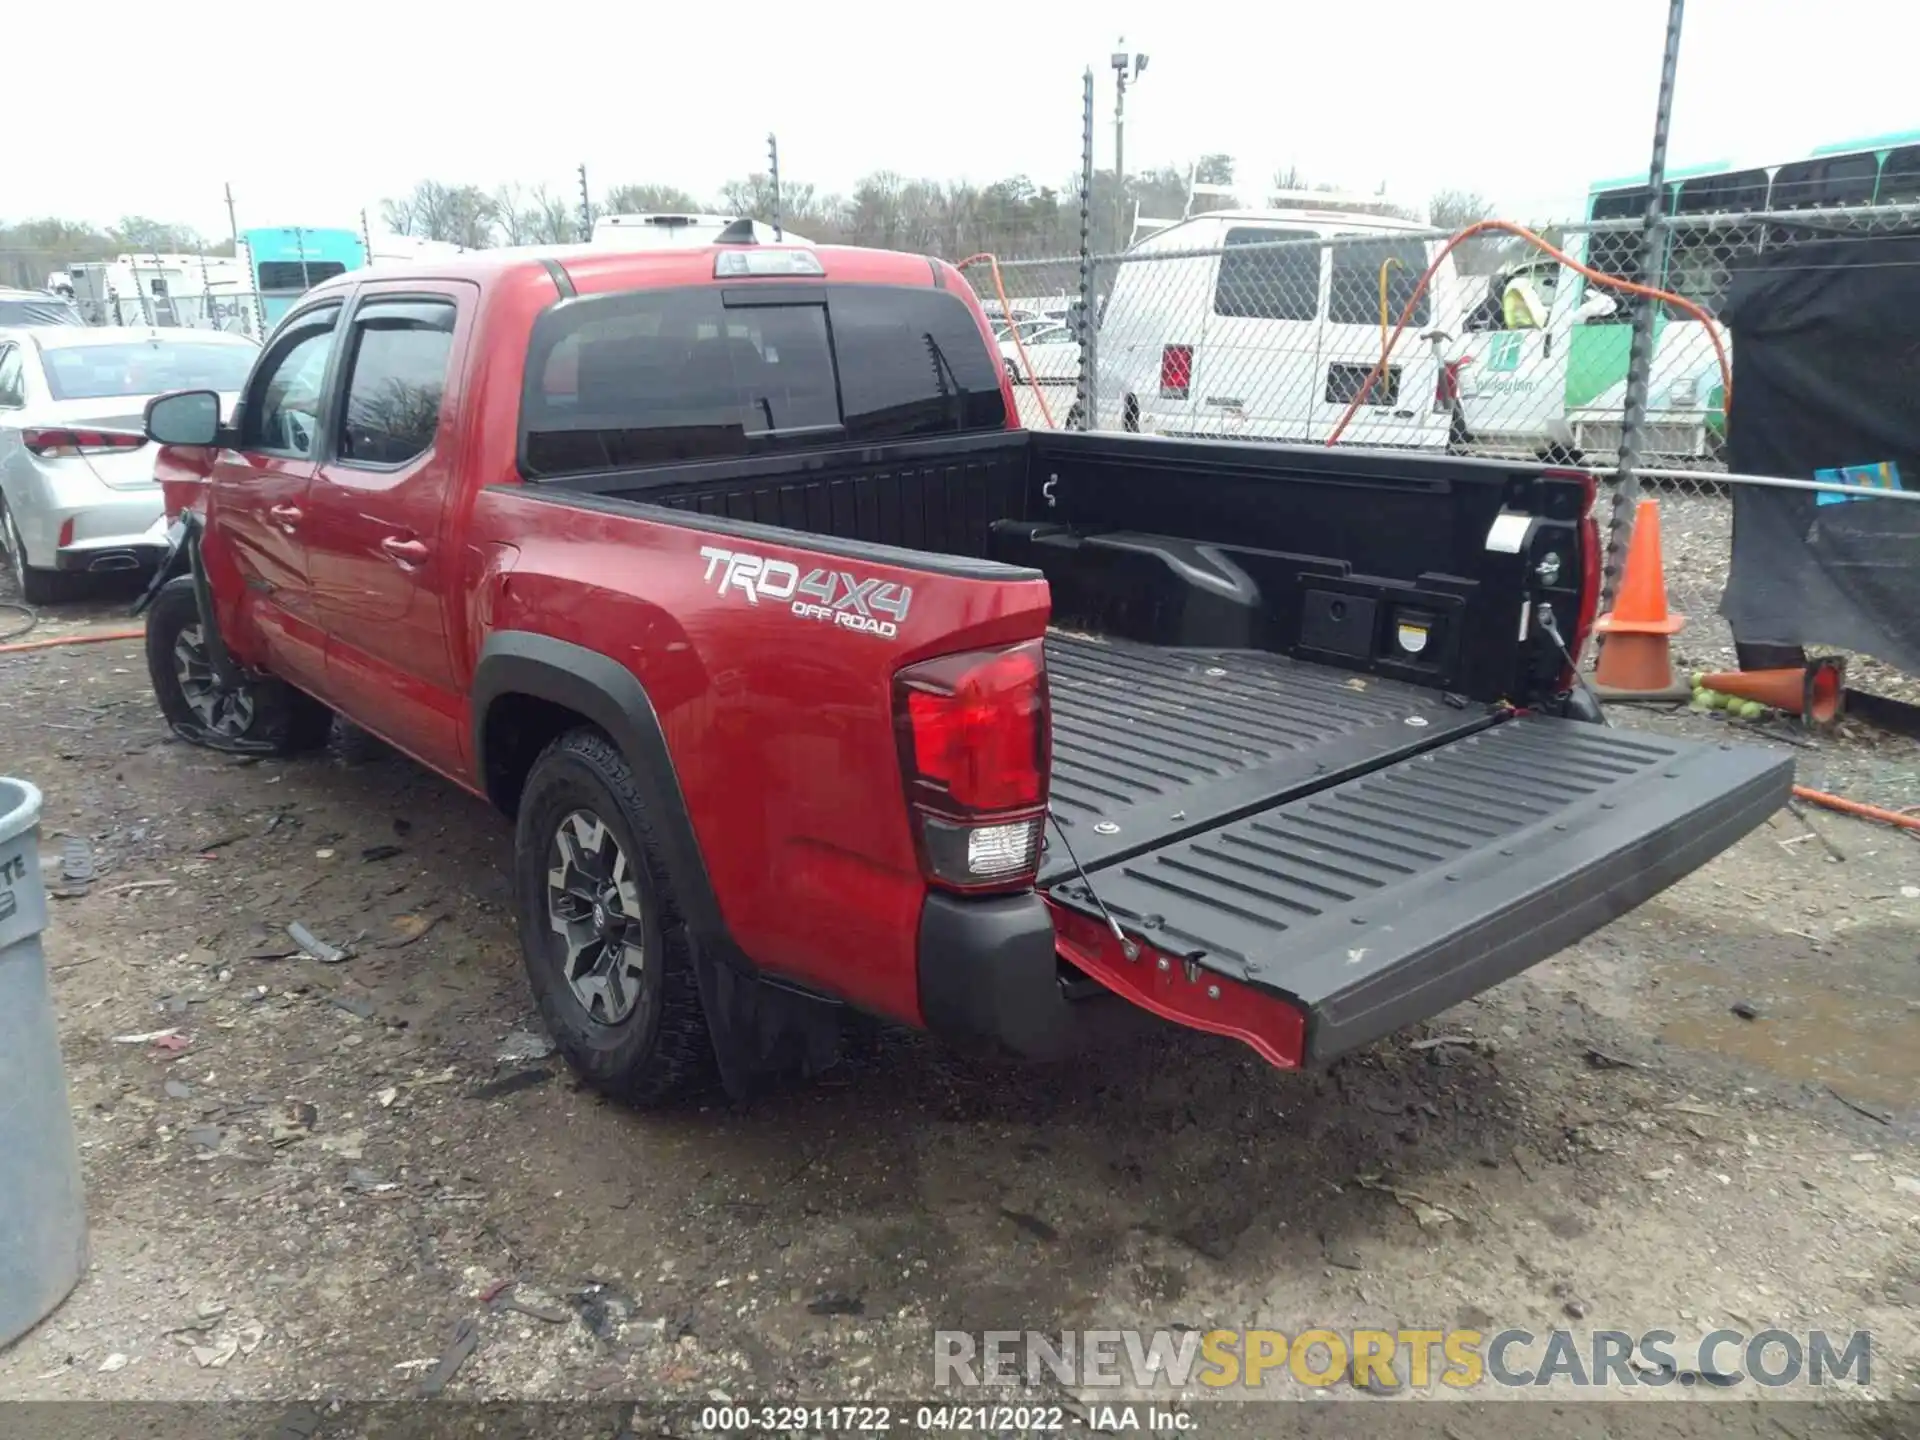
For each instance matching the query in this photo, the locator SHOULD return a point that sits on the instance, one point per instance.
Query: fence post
(1633, 419)
(1085, 392)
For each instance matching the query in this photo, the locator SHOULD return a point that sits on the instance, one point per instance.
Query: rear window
(1275, 282)
(144, 367)
(658, 376)
(1354, 298)
(297, 274)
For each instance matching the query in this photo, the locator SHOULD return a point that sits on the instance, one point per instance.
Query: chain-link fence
(1278, 328)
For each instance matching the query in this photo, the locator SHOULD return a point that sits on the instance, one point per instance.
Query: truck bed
(1151, 743)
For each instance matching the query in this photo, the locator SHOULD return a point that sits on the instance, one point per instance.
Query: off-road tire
(284, 721)
(659, 1052)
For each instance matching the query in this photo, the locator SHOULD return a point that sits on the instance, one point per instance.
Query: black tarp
(1826, 355)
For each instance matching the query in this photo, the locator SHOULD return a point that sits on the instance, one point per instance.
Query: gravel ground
(346, 1162)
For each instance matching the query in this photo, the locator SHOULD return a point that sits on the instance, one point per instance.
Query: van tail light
(1176, 371)
(1446, 385)
(975, 750)
(55, 444)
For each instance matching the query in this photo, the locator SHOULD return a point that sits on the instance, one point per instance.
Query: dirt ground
(311, 1197)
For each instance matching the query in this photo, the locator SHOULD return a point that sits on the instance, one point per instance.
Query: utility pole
(1087, 309)
(254, 322)
(586, 206)
(773, 173)
(1120, 62)
(233, 221)
(1633, 419)
(366, 236)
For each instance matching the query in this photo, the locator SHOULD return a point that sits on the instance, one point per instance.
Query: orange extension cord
(1857, 808)
(1039, 391)
(57, 641)
(1632, 287)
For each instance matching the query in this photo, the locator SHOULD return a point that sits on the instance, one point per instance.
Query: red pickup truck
(815, 686)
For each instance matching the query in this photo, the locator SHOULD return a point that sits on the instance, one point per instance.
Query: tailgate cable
(1551, 629)
(1127, 947)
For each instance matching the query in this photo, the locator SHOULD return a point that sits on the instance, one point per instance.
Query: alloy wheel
(227, 712)
(594, 906)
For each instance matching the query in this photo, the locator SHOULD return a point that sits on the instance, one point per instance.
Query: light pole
(1122, 62)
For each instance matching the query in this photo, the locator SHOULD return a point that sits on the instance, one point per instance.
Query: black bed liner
(1152, 743)
(1386, 898)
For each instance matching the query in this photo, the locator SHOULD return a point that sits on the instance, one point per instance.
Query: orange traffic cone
(1635, 648)
(1813, 692)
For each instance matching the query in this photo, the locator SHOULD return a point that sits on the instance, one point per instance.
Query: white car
(1053, 352)
(77, 493)
(21, 308)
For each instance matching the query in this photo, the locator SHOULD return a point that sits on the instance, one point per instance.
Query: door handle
(407, 552)
(286, 514)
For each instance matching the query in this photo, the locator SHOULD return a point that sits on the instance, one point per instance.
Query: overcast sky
(313, 110)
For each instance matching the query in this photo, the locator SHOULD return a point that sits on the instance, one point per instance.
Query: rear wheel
(37, 586)
(263, 716)
(605, 945)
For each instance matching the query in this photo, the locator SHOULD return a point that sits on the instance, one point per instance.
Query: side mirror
(186, 417)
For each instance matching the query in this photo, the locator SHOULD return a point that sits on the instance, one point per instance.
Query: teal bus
(1561, 384)
(286, 260)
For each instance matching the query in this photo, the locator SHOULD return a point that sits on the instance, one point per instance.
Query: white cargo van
(1264, 325)
(663, 231)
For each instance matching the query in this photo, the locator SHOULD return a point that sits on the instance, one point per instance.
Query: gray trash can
(43, 1220)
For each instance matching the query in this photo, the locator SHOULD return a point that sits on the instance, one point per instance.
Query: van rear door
(1400, 408)
(1254, 374)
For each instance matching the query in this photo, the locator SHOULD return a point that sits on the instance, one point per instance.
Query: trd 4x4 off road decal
(834, 596)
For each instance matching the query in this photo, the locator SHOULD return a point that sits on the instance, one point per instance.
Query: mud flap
(1386, 899)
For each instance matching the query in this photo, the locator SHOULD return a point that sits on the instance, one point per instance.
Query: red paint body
(785, 752)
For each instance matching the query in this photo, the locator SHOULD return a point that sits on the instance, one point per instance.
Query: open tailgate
(1385, 899)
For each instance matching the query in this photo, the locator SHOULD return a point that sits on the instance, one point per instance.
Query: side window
(13, 380)
(1354, 296)
(397, 358)
(1277, 283)
(283, 403)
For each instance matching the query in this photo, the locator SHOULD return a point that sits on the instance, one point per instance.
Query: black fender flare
(743, 1014)
(519, 662)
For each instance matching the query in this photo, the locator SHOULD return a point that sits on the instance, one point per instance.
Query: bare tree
(138, 233)
(534, 217)
(1456, 210)
(648, 199)
(461, 214)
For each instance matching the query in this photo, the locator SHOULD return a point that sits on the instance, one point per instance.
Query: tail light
(975, 750)
(1176, 371)
(55, 444)
(1446, 385)
(1590, 560)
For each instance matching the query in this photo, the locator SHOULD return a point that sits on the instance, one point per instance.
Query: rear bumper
(113, 553)
(103, 530)
(990, 980)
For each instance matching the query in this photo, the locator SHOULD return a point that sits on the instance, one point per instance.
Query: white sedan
(1053, 353)
(77, 493)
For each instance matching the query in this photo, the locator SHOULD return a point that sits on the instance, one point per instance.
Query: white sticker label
(1508, 532)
